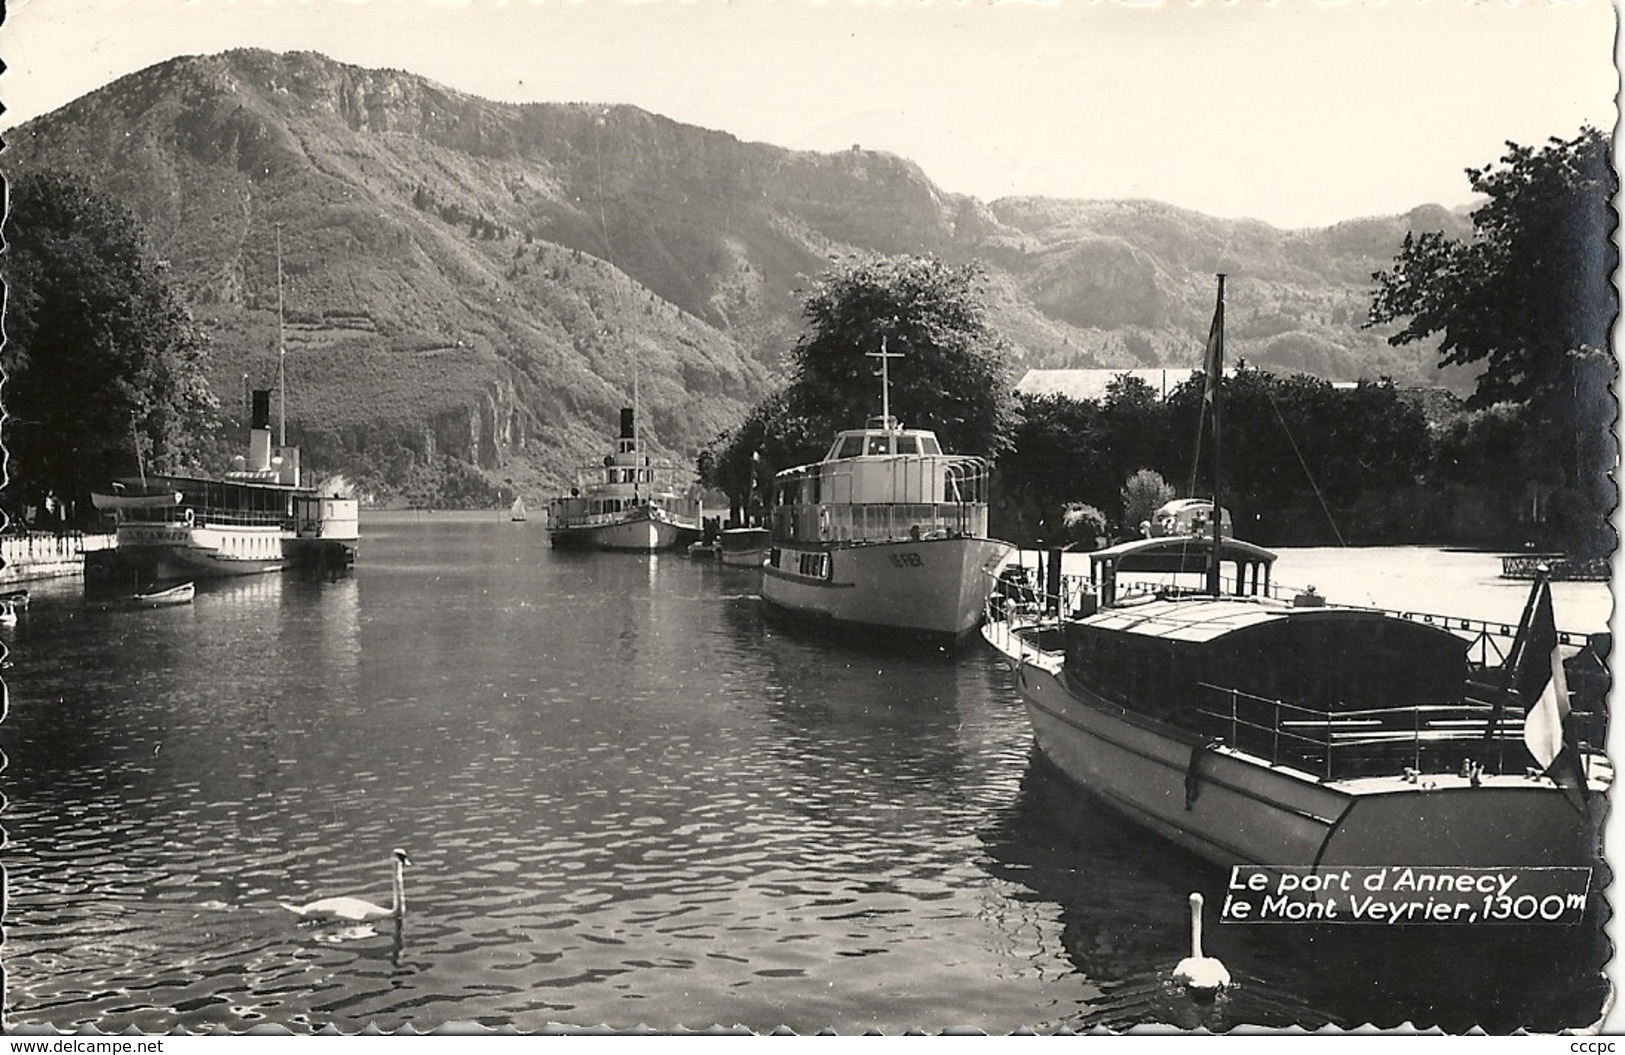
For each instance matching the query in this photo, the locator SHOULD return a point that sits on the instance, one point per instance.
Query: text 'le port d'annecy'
(1395, 894)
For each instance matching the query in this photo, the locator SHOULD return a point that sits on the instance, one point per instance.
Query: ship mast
(886, 381)
(1215, 377)
(281, 353)
(886, 422)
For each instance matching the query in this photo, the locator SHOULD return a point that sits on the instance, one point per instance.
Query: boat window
(878, 445)
(908, 445)
(929, 445)
(851, 447)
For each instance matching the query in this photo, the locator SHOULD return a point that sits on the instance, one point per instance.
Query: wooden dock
(1559, 568)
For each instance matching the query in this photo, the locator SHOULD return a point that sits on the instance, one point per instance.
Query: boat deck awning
(1199, 619)
(1186, 619)
(1176, 554)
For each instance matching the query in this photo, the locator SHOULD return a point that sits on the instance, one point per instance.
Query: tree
(105, 365)
(1530, 297)
(1143, 494)
(953, 376)
(1083, 525)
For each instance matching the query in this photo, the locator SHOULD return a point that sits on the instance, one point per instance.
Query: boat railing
(877, 521)
(207, 516)
(1334, 743)
(657, 474)
(1489, 641)
(675, 505)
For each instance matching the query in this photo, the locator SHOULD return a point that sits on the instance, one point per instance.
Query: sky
(1299, 113)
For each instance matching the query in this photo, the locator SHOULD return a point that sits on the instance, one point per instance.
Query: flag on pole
(1213, 360)
(1540, 683)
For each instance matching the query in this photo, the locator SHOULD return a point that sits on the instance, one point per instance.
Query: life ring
(823, 523)
(189, 518)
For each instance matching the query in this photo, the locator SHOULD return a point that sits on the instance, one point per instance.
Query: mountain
(471, 286)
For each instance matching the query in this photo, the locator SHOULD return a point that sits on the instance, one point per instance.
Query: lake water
(631, 801)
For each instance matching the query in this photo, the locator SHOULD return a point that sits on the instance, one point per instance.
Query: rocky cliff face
(475, 285)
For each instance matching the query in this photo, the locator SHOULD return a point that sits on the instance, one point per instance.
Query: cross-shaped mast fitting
(885, 380)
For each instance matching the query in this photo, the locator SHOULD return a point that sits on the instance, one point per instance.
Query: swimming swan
(356, 910)
(1202, 975)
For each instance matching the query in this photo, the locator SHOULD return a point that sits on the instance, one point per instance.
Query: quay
(1559, 568)
(46, 555)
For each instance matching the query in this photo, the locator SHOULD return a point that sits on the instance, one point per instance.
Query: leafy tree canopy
(952, 376)
(1533, 284)
(103, 358)
(1529, 296)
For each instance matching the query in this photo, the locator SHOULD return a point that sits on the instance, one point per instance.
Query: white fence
(39, 554)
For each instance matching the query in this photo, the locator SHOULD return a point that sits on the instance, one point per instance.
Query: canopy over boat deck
(1181, 555)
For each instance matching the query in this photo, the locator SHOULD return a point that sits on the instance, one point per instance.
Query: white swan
(1202, 975)
(356, 910)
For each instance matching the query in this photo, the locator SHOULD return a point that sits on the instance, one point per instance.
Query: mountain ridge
(492, 274)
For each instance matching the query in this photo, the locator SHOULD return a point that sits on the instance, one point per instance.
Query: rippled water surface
(628, 801)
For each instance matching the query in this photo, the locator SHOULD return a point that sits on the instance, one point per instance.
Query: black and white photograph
(789, 517)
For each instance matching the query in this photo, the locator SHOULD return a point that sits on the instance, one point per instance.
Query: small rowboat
(15, 598)
(156, 598)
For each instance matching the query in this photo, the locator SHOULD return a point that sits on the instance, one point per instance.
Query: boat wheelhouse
(631, 501)
(887, 531)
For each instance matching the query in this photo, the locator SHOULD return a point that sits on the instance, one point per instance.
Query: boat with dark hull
(1176, 682)
(631, 501)
(743, 547)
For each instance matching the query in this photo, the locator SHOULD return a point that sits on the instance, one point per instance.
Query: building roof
(1091, 384)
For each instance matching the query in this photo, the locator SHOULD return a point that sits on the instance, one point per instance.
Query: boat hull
(638, 531)
(153, 552)
(743, 547)
(175, 595)
(1232, 808)
(934, 587)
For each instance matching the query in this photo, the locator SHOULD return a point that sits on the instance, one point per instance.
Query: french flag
(1540, 682)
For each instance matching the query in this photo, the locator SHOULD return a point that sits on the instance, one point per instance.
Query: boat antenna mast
(1215, 375)
(885, 358)
(281, 353)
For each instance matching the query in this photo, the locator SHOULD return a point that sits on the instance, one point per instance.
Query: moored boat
(253, 519)
(887, 532)
(517, 513)
(632, 501)
(259, 517)
(1258, 728)
(743, 547)
(162, 597)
